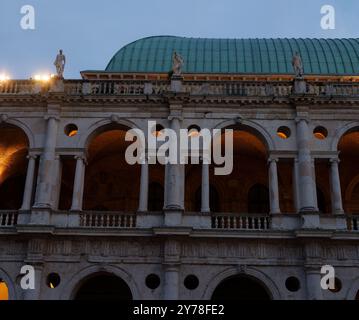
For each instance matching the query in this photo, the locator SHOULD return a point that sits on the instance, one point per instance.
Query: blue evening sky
(91, 31)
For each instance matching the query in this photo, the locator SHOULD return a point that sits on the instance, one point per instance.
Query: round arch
(250, 272)
(102, 126)
(353, 290)
(24, 128)
(349, 191)
(252, 127)
(73, 285)
(341, 132)
(9, 283)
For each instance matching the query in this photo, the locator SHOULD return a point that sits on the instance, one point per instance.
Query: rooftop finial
(177, 64)
(59, 63)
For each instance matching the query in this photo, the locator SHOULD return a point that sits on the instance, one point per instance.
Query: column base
(340, 221)
(24, 216)
(40, 215)
(173, 217)
(310, 219)
(285, 221)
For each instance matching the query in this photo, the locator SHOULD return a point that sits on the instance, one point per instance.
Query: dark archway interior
(13, 166)
(104, 287)
(349, 169)
(240, 288)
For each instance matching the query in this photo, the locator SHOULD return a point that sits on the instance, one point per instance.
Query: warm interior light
(319, 135)
(73, 133)
(4, 292)
(282, 135)
(193, 133)
(51, 285)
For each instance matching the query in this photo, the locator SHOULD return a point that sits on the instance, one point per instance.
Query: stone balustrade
(8, 218)
(195, 88)
(241, 221)
(94, 219)
(353, 223)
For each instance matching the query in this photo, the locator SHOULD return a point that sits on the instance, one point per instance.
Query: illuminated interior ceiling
(107, 144)
(4, 292)
(13, 151)
(349, 144)
(246, 144)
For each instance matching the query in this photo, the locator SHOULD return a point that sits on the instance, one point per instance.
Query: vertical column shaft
(171, 283)
(305, 172)
(143, 199)
(47, 165)
(273, 186)
(205, 204)
(336, 193)
(79, 181)
(29, 183)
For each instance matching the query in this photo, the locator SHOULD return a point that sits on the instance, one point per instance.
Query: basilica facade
(93, 226)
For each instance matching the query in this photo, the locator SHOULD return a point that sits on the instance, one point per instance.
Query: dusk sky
(91, 31)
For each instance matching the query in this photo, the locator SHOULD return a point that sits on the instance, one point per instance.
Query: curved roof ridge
(230, 55)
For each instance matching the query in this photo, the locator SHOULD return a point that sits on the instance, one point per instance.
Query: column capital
(81, 157)
(173, 117)
(273, 159)
(334, 160)
(302, 118)
(52, 116)
(31, 156)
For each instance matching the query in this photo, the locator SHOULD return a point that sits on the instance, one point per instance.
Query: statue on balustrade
(59, 63)
(297, 65)
(177, 64)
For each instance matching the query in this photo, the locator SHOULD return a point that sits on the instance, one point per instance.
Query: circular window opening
(191, 282)
(157, 130)
(153, 281)
(283, 132)
(292, 284)
(337, 286)
(53, 280)
(320, 133)
(71, 130)
(193, 131)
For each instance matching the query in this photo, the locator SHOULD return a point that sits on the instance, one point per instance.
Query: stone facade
(59, 227)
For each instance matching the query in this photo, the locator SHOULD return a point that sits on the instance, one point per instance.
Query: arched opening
(155, 196)
(241, 287)
(103, 286)
(249, 168)
(348, 169)
(258, 199)
(4, 291)
(110, 182)
(13, 165)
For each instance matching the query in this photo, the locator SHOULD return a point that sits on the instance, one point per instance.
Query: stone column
(34, 294)
(79, 182)
(205, 188)
(174, 183)
(273, 186)
(295, 180)
(336, 193)
(305, 173)
(47, 166)
(313, 277)
(29, 184)
(315, 187)
(171, 283)
(174, 175)
(143, 198)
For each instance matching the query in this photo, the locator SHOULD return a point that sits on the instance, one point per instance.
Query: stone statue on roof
(297, 65)
(177, 64)
(59, 63)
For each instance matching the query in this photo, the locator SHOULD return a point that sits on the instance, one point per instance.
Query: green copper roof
(251, 56)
